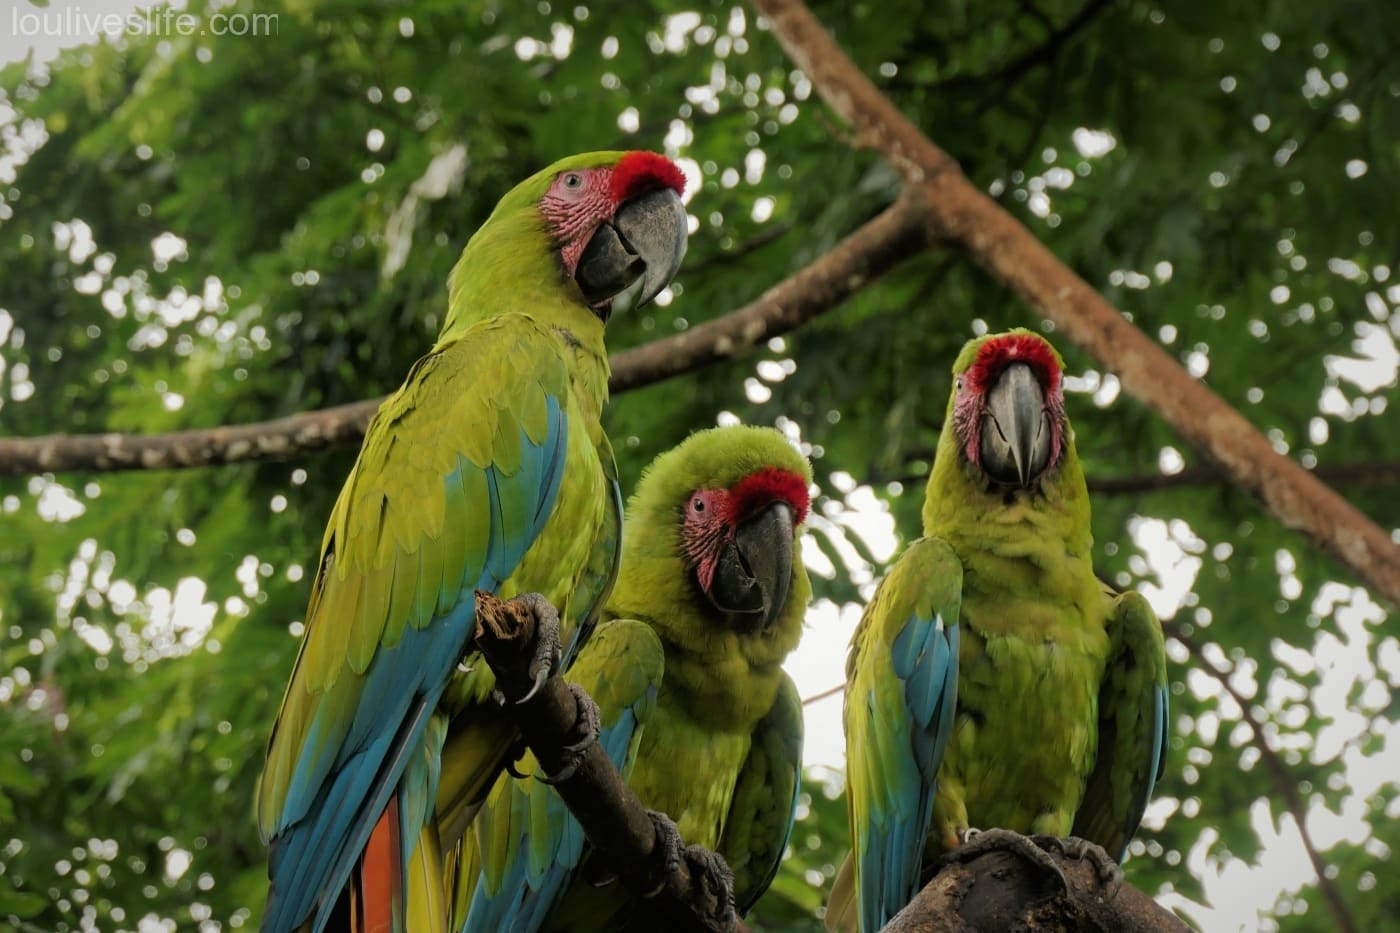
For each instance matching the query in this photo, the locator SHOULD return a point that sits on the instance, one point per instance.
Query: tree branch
(1054, 42)
(1002, 891)
(302, 433)
(873, 249)
(1284, 784)
(680, 891)
(1365, 473)
(828, 692)
(957, 210)
(861, 257)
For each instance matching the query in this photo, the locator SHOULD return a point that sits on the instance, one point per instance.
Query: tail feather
(427, 891)
(376, 889)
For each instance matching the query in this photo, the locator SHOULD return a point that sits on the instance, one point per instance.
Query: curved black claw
(548, 652)
(1074, 847)
(587, 725)
(977, 843)
(517, 751)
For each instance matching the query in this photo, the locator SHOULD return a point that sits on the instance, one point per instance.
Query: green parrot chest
(1027, 721)
(688, 772)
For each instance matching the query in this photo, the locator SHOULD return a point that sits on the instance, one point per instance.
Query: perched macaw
(487, 469)
(993, 681)
(697, 712)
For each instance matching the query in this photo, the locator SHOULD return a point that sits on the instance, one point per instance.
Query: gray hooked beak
(1016, 428)
(645, 241)
(755, 570)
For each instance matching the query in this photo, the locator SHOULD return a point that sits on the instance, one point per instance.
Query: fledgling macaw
(993, 681)
(697, 712)
(487, 469)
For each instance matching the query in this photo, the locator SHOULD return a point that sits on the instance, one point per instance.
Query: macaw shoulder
(924, 585)
(509, 364)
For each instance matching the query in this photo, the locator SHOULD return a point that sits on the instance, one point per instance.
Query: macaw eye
(959, 383)
(698, 504)
(573, 181)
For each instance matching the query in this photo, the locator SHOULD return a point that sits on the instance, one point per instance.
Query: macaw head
(606, 220)
(715, 523)
(738, 544)
(1008, 408)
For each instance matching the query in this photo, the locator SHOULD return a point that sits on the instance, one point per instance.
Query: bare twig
(958, 211)
(1002, 891)
(853, 263)
(614, 820)
(866, 254)
(1047, 51)
(1284, 783)
(828, 692)
(765, 235)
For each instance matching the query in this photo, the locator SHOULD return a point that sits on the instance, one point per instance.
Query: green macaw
(487, 469)
(697, 712)
(993, 681)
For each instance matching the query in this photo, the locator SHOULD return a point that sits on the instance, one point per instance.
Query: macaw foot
(588, 725)
(584, 732)
(978, 842)
(546, 654)
(1105, 867)
(711, 889)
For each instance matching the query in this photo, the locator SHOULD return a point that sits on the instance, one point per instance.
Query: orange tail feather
(376, 890)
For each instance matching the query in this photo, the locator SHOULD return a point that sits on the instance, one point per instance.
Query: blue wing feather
(925, 660)
(900, 714)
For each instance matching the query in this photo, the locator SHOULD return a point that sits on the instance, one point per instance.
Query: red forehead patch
(640, 172)
(769, 485)
(1000, 352)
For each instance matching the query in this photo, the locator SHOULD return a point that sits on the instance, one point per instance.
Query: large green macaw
(487, 469)
(697, 712)
(993, 681)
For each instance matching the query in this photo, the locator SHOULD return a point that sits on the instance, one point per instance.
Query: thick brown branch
(614, 820)
(1002, 891)
(1369, 473)
(1285, 785)
(866, 254)
(957, 210)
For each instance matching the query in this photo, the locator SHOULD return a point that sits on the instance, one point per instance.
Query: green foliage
(208, 229)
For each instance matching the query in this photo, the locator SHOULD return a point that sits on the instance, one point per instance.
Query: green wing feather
(761, 814)
(1133, 727)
